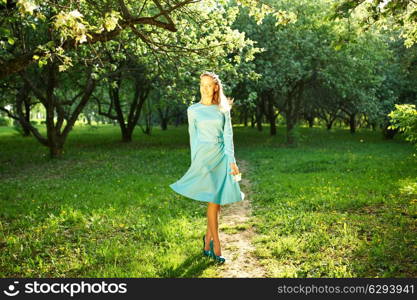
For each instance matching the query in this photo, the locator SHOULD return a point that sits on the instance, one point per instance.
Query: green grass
(339, 205)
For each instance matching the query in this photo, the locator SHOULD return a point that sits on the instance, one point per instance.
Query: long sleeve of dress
(228, 138)
(192, 130)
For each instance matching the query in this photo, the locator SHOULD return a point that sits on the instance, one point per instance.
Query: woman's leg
(213, 210)
(209, 236)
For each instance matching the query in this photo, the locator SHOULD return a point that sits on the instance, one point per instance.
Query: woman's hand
(235, 169)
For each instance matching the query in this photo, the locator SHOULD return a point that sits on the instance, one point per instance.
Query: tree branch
(19, 63)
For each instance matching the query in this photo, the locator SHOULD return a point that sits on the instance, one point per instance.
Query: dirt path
(236, 233)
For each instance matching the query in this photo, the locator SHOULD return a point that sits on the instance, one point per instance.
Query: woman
(213, 175)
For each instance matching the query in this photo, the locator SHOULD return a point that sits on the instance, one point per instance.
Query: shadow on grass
(192, 267)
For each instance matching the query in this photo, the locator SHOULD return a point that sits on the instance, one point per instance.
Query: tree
(69, 39)
(397, 14)
(404, 118)
(66, 26)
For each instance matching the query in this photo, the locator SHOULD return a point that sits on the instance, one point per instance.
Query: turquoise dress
(208, 178)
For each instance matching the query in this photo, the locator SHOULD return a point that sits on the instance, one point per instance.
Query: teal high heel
(218, 258)
(207, 252)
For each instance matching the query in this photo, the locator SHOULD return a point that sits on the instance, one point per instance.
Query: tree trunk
(126, 134)
(56, 133)
(164, 124)
(310, 121)
(24, 101)
(126, 123)
(271, 114)
(163, 117)
(352, 123)
(259, 118)
(329, 124)
(56, 149)
(290, 131)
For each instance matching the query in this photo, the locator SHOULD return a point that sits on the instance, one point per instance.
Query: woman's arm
(192, 130)
(228, 138)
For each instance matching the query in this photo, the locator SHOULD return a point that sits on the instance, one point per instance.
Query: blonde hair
(225, 103)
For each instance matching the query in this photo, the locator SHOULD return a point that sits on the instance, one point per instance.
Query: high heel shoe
(218, 258)
(207, 252)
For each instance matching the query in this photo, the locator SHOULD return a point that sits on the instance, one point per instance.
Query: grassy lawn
(339, 205)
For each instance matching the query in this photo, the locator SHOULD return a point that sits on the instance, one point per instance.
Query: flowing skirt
(208, 178)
